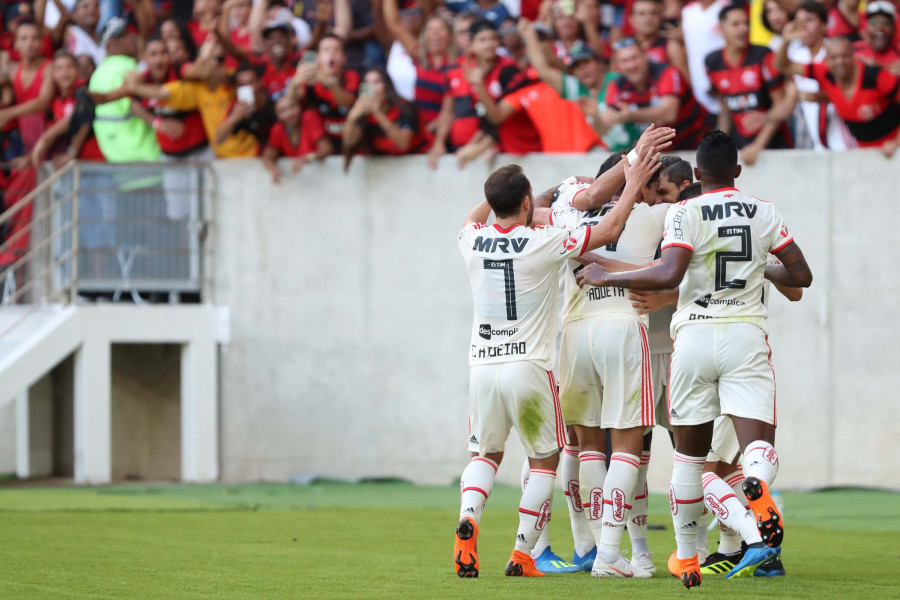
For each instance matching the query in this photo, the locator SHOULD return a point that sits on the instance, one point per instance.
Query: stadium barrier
(351, 317)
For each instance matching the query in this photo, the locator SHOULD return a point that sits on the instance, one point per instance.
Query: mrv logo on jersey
(483, 244)
(716, 211)
(485, 331)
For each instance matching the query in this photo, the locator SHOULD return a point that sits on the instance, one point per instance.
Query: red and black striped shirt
(333, 115)
(871, 113)
(194, 136)
(744, 89)
(431, 87)
(664, 81)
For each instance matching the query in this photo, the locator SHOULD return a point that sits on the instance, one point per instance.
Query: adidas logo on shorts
(473, 440)
(673, 414)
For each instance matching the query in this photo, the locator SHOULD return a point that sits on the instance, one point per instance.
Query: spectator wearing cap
(864, 96)
(298, 134)
(280, 58)
(585, 82)
(121, 134)
(252, 111)
(419, 60)
(32, 85)
(700, 24)
(327, 86)
(483, 76)
(648, 92)
(383, 123)
(742, 75)
(646, 23)
(879, 46)
(820, 126)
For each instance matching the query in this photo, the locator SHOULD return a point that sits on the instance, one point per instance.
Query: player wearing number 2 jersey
(715, 250)
(513, 271)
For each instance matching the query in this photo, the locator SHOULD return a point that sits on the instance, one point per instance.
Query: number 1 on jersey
(509, 283)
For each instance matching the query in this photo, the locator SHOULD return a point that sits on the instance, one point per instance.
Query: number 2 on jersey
(723, 258)
(509, 284)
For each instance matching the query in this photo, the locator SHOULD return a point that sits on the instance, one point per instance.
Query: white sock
(637, 526)
(735, 480)
(686, 502)
(618, 494)
(730, 511)
(476, 484)
(569, 466)
(703, 533)
(593, 474)
(534, 509)
(544, 539)
(761, 461)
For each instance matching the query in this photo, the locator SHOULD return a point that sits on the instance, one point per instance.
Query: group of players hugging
(604, 273)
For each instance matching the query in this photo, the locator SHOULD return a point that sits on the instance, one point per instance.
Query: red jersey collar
(506, 230)
(724, 189)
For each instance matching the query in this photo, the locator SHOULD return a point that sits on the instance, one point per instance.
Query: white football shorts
(721, 369)
(725, 445)
(516, 394)
(605, 373)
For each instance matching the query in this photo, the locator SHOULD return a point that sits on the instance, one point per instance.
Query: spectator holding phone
(253, 110)
(323, 83)
(381, 122)
(298, 135)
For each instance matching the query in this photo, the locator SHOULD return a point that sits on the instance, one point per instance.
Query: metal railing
(98, 229)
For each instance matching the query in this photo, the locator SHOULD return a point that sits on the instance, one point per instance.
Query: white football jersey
(514, 275)
(636, 245)
(564, 196)
(730, 236)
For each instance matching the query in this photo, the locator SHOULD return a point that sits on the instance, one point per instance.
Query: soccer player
(715, 250)
(744, 78)
(867, 97)
(513, 271)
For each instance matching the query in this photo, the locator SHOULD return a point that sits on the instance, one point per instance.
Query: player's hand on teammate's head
(658, 137)
(591, 275)
(647, 163)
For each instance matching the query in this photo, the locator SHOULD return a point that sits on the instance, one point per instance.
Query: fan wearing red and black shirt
(297, 134)
(279, 59)
(326, 86)
(180, 134)
(647, 93)
(646, 22)
(383, 123)
(74, 130)
(879, 45)
(484, 76)
(864, 96)
(744, 78)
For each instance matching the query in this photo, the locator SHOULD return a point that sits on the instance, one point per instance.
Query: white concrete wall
(351, 314)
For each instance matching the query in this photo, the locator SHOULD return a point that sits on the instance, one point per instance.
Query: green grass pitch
(383, 540)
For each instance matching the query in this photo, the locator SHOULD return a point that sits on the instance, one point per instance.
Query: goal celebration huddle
(611, 304)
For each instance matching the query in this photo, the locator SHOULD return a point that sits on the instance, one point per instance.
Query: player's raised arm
(636, 177)
(653, 140)
(479, 214)
(793, 270)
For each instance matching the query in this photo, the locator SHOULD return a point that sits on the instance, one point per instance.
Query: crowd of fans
(150, 80)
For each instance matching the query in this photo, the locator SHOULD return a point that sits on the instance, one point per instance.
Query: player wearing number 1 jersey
(513, 271)
(715, 250)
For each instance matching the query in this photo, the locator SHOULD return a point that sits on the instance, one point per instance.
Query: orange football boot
(768, 518)
(465, 548)
(687, 570)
